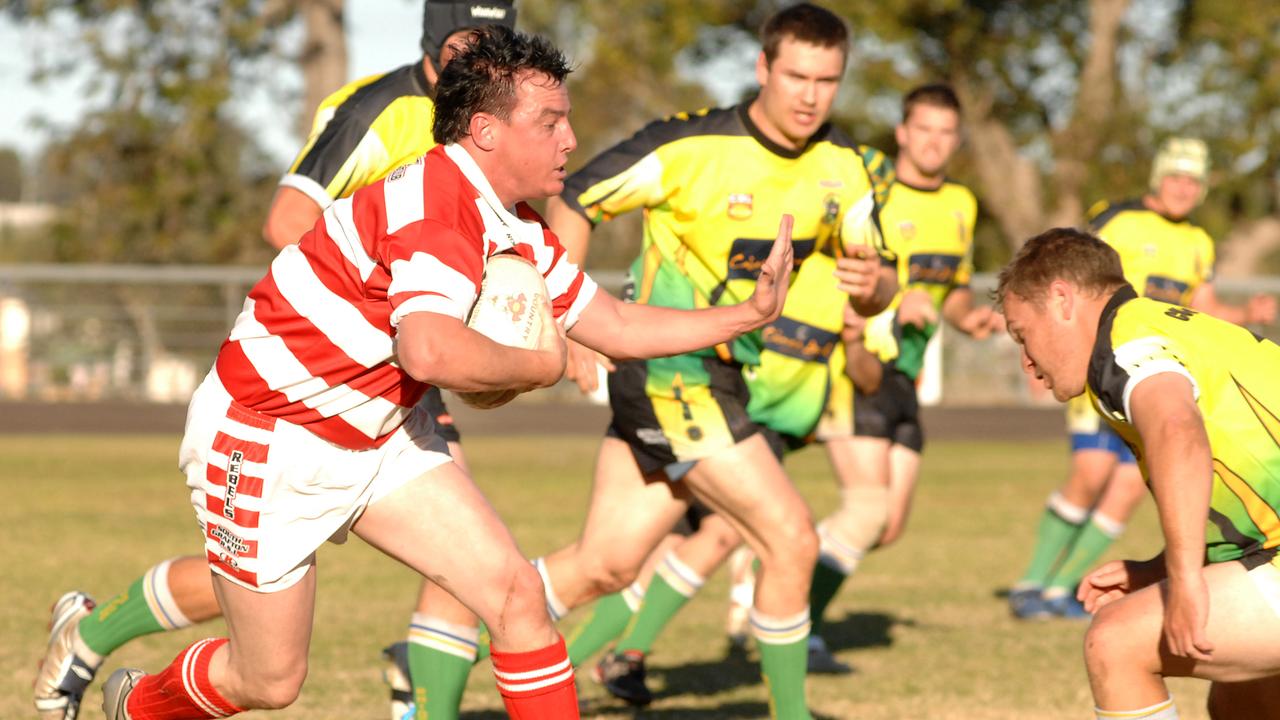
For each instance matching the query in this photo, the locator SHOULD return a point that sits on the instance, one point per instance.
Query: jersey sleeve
(969, 215)
(342, 155)
(570, 289)
(628, 176)
(1146, 354)
(433, 268)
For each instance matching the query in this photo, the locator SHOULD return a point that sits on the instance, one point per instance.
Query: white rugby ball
(507, 311)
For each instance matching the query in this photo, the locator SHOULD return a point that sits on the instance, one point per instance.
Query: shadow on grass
(859, 630)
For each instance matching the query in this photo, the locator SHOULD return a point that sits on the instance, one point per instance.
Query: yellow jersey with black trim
(1163, 259)
(713, 189)
(930, 230)
(1237, 389)
(362, 132)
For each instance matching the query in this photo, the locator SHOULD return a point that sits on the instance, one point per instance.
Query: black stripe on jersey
(1106, 378)
(1100, 216)
(1252, 552)
(615, 160)
(353, 118)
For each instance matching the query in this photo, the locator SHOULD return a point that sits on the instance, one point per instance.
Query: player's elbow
(422, 360)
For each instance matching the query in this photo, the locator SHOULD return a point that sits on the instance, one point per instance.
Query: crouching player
(1198, 401)
(306, 427)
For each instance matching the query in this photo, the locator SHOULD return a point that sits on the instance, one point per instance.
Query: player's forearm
(572, 229)
(440, 350)
(863, 368)
(1179, 463)
(292, 214)
(957, 306)
(628, 331)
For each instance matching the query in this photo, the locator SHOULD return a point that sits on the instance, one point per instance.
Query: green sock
(609, 617)
(482, 643)
(826, 583)
(784, 662)
(146, 607)
(1093, 540)
(440, 658)
(661, 603)
(1059, 525)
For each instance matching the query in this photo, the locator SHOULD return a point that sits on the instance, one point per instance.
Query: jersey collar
(755, 132)
(1102, 361)
(503, 230)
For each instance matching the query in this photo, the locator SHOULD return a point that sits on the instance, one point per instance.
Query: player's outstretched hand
(581, 366)
(775, 275)
(1118, 578)
(1186, 612)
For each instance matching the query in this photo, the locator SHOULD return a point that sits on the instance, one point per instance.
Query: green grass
(922, 621)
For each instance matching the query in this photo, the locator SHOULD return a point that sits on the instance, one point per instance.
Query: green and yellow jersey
(790, 386)
(362, 132)
(931, 232)
(1163, 259)
(1237, 390)
(713, 189)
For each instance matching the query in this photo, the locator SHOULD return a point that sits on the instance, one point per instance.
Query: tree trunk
(323, 59)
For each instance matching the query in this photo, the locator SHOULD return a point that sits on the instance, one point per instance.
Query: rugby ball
(508, 310)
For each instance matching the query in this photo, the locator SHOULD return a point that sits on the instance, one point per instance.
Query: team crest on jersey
(831, 183)
(740, 206)
(908, 230)
(831, 211)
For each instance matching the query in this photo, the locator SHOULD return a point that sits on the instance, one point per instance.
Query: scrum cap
(442, 18)
(1180, 156)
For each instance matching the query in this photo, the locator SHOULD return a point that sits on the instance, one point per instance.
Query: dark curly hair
(483, 78)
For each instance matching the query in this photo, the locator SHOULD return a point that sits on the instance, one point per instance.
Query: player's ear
(484, 131)
(762, 70)
(1061, 299)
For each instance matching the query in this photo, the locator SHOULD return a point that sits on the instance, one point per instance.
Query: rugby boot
(1066, 606)
(1028, 604)
(622, 674)
(116, 691)
(64, 675)
(396, 675)
(822, 662)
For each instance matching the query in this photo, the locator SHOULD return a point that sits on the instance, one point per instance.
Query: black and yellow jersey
(931, 233)
(362, 132)
(1237, 389)
(713, 189)
(1163, 259)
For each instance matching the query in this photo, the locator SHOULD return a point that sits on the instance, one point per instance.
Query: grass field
(923, 621)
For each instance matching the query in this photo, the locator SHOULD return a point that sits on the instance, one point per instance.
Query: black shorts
(892, 413)
(433, 403)
(695, 414)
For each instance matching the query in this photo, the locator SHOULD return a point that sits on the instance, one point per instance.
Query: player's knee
(609, 575)
(1107, 642)
(793, 542)
(523, 591)
(271, 688)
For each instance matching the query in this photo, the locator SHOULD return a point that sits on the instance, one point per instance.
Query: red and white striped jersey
(315, 342)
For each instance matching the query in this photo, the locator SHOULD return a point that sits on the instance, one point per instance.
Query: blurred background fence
(81, 332)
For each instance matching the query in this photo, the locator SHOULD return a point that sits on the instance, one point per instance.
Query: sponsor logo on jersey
(740, 206)
(933, 269)
(747, 255)
(831, 183)
(799, 340)
(1165, 289)
(488, 12)
(234, 463)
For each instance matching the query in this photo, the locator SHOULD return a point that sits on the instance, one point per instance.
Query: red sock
(537, 685)
(181, 691)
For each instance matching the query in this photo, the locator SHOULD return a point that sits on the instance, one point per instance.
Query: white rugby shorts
(1267, 579)
(267, 493)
